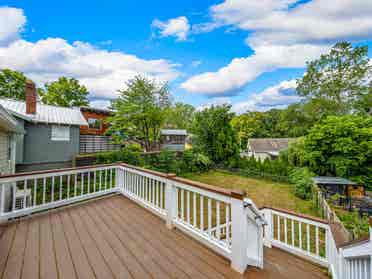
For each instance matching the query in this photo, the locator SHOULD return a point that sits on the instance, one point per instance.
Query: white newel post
(171, 202)
(119, 179)
(239, 233)
(268, 231)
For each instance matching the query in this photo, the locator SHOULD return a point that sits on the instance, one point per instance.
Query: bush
(303, 184)
(129, 154)
(164, 161)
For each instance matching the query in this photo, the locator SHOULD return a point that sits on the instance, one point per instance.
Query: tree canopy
(65, 92)
(214, 135)
(140, 111)
(339, 82)
(12, 84)
(338, 145)
(180, 116)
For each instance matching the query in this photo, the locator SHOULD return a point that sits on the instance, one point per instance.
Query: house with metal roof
(173, 139)
(262, 148)
(51, 137)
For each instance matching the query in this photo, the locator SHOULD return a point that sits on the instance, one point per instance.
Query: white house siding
(4, 149)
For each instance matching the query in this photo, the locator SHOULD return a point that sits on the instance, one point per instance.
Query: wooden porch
(113, 237)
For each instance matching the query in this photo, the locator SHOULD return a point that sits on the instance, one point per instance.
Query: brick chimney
(31, 97)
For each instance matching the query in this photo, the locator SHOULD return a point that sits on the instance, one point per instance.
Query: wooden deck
(115, 238)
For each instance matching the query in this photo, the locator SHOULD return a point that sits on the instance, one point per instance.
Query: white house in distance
(262, 148)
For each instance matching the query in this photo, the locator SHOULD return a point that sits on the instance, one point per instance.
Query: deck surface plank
(113, 261)
(116, 238)
(147, 262)
(81, 263)
(6, 242)
(14, 265)
(154, 230)
(134, 266)
(65, 265)
(165, 263)
(48, 266)
(31, 257)
(98, 263)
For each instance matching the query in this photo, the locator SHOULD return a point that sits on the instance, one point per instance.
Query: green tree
(340, 146)
(338, 82)
(12, 84)
(214, 135)
(65, 92)
(180, 116)
(140, 111)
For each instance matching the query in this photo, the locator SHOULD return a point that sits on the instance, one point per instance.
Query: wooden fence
(93, 144)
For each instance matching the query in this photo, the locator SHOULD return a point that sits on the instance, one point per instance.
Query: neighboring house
(330, 186)
(266, 147)
(9, 131)
(93, 137)
(51, 138)
(173, 139)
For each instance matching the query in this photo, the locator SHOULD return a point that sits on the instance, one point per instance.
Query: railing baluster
(202, 213)
(209, 216)
(153, 191)
(52, 192)
(285, 231)
(188, 207)
(68, 185)
(317, 240)
(182, 205)
(146, 184)
(300, 234)
(100, 180)
(88, 182)
(105, 179)
(308, 237)
(2, 205)
(161, 195)
(94, 181)
(82, 184)
(110, 179)
(227, 221)
(44, 189)
(60, 187)
(75, 184)
(292, 232)
(194, 208)
(35, 190)
(278, 222)
(24, 192)
(157, 185)
(218, 221)
(14, 195)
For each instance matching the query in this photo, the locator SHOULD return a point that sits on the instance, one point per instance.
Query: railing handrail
(299, 215)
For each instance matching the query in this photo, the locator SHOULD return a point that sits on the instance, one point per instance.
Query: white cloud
(227, 80)
(12, 21)
(285, 34)
(178, 27)
(102, 71)
(278, 96)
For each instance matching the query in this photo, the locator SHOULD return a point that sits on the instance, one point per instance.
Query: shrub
(303, 184)
(129, 154)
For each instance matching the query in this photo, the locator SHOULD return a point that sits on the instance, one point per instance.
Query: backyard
(262, 192)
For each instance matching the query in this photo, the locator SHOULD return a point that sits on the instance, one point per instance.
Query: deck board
(31, 256)
(115, 238)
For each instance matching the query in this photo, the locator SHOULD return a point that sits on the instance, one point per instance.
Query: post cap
(30, 83)
(238, 194)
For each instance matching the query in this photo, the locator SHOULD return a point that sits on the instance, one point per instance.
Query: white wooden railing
(313, 239)
(219, 218)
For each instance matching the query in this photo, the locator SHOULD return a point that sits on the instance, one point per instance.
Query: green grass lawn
(262, 192)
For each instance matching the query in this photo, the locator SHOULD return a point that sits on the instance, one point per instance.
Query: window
(94, 123)
(60, 133)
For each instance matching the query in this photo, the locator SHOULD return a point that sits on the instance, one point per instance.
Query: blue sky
(247, 53)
